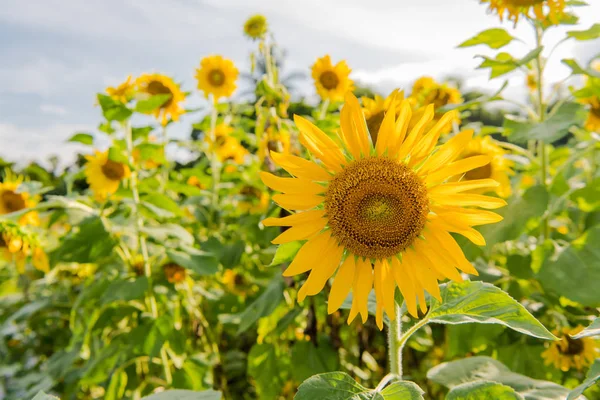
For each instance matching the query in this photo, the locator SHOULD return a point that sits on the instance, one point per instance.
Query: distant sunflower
(254, 200)
(332, 82)
(103, 175)
(381, 213)
(124, 92)
(531, 81)
(256, 27)
(543, 10)
(155, 84)
(217, 76)
(18, 245)
(568, 353)
(274, 140)
(13, 199)
(499, 169)
(427, 91)
(592, 123)
(174, 273)
(227, 147)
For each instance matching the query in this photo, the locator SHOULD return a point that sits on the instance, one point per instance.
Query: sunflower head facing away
(217, 76)
(124, 92)
(13, 199)
(155, 84)
(568, 352)
(550, 11)
(380, 214)
(256, 27)
(104, 175)
(332, 81)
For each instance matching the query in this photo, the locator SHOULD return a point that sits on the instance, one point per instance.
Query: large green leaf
(477, 369)
(592, 330)
(113, 110)
(481, 390)
(195, 260)
(286, 252)
(309, 359)
(83, 138)
(264, 305)
(125, 290)
(151, 104)
(484, 303)
(505, 63)
(575, 272)
(44, 396)
(494, 38)
(341, 386)
(88, 242)
(588, 197)
(264, 368)
(163, 201)
(577, 69)
(592, 377)
(185, 395)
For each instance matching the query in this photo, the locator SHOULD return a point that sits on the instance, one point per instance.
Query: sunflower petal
(363, 282)
(341, 284)
(291, 185)
(294, 219)
(426, 145)
(414, 136)
(447, 152)
(386, 129)
(301, 231)
(358, 122)
(297, 201)
(453, 250)
(378, 283)
(463, 186)
(309, 254)
(319, 139)
(406, 286)
(300, 167)
(467, 199)
(457, 168)
(319, 275)
(388, 287)
(402, 123)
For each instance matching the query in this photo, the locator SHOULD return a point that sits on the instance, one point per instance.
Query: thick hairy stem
(394, 345)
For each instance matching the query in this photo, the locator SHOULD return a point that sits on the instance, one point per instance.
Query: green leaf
(163, 201)
(477, 369)
(117, 154)
(309, 359)
(341, 386)
(592, 377)
(88, 242)
(505, 63)
(165, 232)
(486, 304)
(576, 69)
(113, 110)
(149, 105)
(494, 38)
(592, 330)
(589, 34)
(264, 305)
(83, 138)
(44, 396)
(480, 390)
(575, 272)
(195, 260)
(588, 197)
(286, 252)
(185, 395)
(264, 368)
(125, 290)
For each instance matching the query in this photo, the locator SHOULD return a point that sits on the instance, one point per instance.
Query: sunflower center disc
(113, 170)
(574, 346)
(13, 201)
(216, 77)
(376, 207)
(329, 80)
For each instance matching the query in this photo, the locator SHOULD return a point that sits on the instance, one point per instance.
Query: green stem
(324, 107)
(269, 63)
(394, 347)
(165, 166)
(214, 161)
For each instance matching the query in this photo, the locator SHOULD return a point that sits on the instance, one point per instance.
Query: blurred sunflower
(568, 353)
(17, 246)
(103, 175)
(543, 10)
(227, 147)
(124, 92)
(381, 213)
(592, 123)
(499, 169)
(332, 82)
(254, 200)
(531, 81)
(426, 91)
(256, 27)
(217, 76)
(155, 84)
(273, 140)
(234, 282)
(13, 199)
(174, 273)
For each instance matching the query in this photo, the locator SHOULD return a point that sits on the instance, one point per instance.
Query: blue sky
(56, 54)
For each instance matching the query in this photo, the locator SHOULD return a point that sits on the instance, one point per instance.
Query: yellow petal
(447, 152)
(405, 285)
(470, 217)
(291, 185)
(309, 254)
(388, 286)
(386, 129)
(467, 200)
(457, 187)
(426, 277)
(348, 132)
(297, 218)
(297, 201)
(358, 122)
(425, 146)
(457, 168)
(411, 265)
(414, 136)
(320, 144)
(437, 260)
(300, 167)
(445, 241)
(462, 229)
(363, 282)
(301, 231)
(324, 270)
(341, 284)
(402, 124)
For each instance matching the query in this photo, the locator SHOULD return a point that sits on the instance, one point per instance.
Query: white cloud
(53, 109)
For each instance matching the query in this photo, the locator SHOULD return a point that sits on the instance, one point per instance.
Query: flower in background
(227, 147)
(332, 82)
(374, 111)
(426, 91)
(531, 81)
(568, 352)
(14, 198)
(155, 84)
(103, 175)
(255, 200)
(380, 214)
(544, 10)
(124, 92)
(274, 140)
(256, 27)
(592, 123)
(174, 273)
(18, 245)
(217, 76)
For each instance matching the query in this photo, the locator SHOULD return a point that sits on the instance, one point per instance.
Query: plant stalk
(214, 160)
(395, 345)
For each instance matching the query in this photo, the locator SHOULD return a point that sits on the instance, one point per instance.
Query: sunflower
(568, 353)
(274, 140)
(124, 92)
(13, 199)
(332, 82)
(234, 282)
(374, 110)
(544, 10)
(426, 91)
(174, 273)
(227, 147)
(217, 76)
(103, 175)
(592, 123)
(255, 201)
(256, 27)
(154, 84)
(499, 169)
(17, 246)
(531, 81)
(381, 213)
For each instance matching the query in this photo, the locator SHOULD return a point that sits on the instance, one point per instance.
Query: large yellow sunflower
(217, 76)
(568, 353)
(124, 92)
(499, 169)
(544, 10)
(227, 147)
(256, 27)
(12, 199)
(332, 82)
(103, 175)
(381, 213)
(155, 84)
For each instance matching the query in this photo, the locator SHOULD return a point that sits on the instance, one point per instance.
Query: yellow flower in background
(174, 273)
(499, 169)
(592, 123)
(332, 82)
(380, 214)
(374, 110)
(12, 199)
(274, 140)
(543, 10)
(256, 27)
(255, 200)
(194, 181)
(155, 84)
(423, 83)
(17, 245)
(426, 91)
(217, 76)
(531, 81)
(124, 92)
(227, 147)
(232, 281)
(148, 163)
(568, 353)
(103, 175)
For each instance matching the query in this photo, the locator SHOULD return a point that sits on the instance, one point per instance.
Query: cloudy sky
(56, 54)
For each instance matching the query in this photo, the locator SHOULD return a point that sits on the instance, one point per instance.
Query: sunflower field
(426, 243)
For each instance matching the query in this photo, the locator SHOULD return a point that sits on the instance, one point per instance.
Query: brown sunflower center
(13, 201)
(483, 172)
(329, 80)
(113, 170)
(174, 273)
(376, 207)
(373, 123)
(595, 111)
(574, 346)
(216, 77)
(155, 88)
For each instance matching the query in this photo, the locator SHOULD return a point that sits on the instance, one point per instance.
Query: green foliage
(495, 38)
(505, 63)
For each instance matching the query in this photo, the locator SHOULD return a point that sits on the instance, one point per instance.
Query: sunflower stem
(324, 107)
(395, 345)
(214, 160)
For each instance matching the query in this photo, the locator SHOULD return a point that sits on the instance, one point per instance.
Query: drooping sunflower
(226, 146)
(103, 175)
(332, 81)
(13, 199)
(543, 10)
(499, 169)
(568, 352)
(217, 76)
(380, 214)
(154, 84)
(124, 92)
(256, 27)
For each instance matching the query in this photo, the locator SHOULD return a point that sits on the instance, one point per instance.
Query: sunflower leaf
(576, 69)
(589, 34)
(83, 138)
(483, 390)
(592, 377)
(43, 396)
(264, 305)
(149, 105)
(494, 38)
(592, 330)
(113, 110)
(185, 395)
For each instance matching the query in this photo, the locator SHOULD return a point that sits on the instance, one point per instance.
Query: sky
(57, 54)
